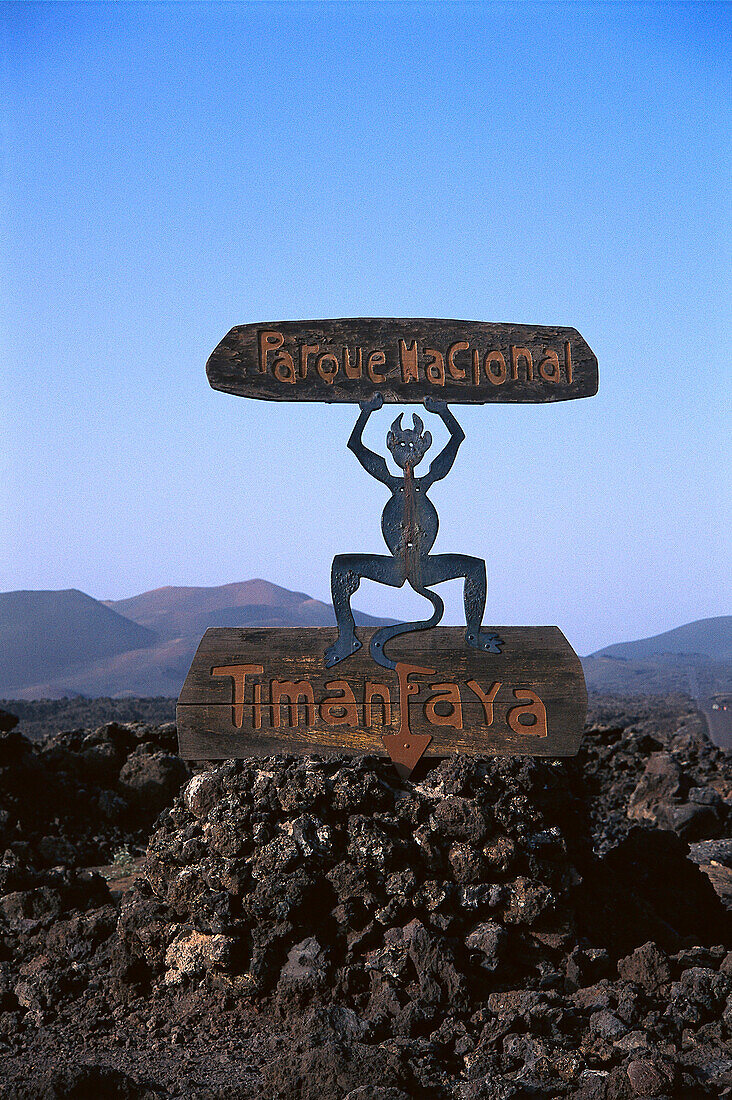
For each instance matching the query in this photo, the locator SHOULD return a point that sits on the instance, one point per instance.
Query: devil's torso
(409, 521)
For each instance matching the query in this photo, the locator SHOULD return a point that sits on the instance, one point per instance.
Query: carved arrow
(406, 748)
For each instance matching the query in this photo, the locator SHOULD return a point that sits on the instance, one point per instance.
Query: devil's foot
(491, 643)
(344, 647)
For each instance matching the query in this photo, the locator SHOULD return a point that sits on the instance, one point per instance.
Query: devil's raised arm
(372, 463)
(442, 465)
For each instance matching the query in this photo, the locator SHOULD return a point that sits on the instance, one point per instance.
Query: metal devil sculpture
(409, 524)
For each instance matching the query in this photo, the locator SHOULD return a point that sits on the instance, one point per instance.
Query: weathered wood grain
(349, 359)
(214, 723)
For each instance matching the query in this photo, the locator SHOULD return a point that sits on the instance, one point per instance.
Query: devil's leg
(474, 598)
(346, 574)
(447, 567)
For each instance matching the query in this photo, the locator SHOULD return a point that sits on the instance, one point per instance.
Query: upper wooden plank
(349, 359)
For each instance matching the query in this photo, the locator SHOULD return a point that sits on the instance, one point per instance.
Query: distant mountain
(706, 637)
(181, 612)
(56, 644)
(44, 635)
(695, 659)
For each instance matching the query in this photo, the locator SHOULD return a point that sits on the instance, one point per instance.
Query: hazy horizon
(357, 609)
(176, 169)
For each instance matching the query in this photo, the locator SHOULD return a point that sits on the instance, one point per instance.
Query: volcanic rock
(494, 929)
(8, 721)
(646, 1079)
(662, 782)
(714, 857)
(152, 779)
(647, 966)
(81, 795)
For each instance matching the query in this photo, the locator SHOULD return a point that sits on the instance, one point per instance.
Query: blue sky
(171, 170)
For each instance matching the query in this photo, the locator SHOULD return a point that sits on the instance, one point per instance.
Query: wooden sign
(258, 692)
(468, 362)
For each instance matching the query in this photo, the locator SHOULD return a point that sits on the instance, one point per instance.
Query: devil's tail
(381, 637)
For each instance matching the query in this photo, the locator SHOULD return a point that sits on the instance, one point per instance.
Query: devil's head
(408, 445)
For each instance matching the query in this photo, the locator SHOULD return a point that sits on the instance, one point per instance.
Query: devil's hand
(435, 405)
(374, 402)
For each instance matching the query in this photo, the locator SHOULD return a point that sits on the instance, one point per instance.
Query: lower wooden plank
(257, 692)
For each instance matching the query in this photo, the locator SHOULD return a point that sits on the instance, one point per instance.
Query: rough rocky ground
(77, 797)
(495, 929)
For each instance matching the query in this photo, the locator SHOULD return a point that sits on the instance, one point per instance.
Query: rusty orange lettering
(449, 693)
(356, 370)
(534, 709)
(404, 671)
(486, 700)
(375, 359)
(550, 359)
(292, 693)
(284, 368)
(328, 375)
(257, 710)
(269, 340)
(408, 361)
(456, 372)
(305, 350)
(371, 692)
(525, 354)
(492, 357)
(476, 367)
(345, 703)
(435, 368)
(238, 674)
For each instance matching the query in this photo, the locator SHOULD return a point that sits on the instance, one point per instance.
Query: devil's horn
(397, 425)
(417, 424)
